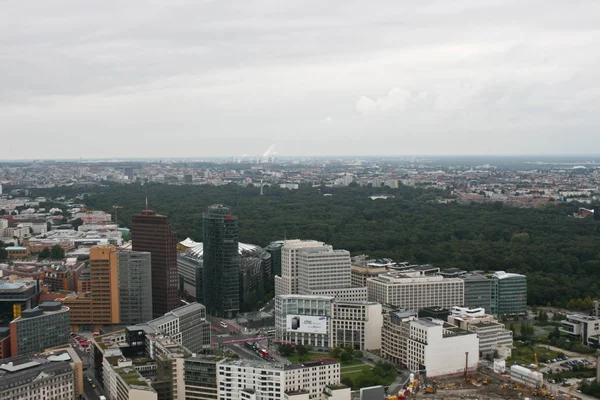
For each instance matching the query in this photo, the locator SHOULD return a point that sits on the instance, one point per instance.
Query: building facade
(323, 268)
(221, 263)
(583, 327)
(412, 290)
(439, 348)
(491, 333)
(356, 324)
(39, 329)
(257, 380)
(509, 293)
(15, 296)
(478, 292)
(104, 283)
(151, 232)
(135, 287)
(361, 273)
(287, 283)
(291, 312)
(200, 377)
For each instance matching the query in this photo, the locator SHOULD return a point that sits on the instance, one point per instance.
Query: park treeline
(559, 254)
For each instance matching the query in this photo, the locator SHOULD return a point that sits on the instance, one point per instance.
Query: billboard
(306, 324)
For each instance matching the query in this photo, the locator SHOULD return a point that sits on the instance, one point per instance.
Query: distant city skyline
(199, 79)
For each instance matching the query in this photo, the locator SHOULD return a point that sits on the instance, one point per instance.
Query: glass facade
(152, 233)
(478, 292)
(221, 269)
(135, 287)
(509, 294)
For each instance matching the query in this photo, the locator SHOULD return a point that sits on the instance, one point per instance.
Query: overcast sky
(179, 78)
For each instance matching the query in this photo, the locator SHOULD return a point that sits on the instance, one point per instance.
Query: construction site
(483, 384)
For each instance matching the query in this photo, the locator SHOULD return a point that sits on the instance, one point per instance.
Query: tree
(286, 349)
(44, 254)
(301, 350)
(77, 223)
(57, 252)
(336, 352)
(346, 357)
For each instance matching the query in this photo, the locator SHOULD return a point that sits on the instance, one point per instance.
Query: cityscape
(299, 200)
(112, 302)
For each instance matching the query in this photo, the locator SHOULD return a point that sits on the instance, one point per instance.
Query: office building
(4, 342)
(478, 292)
(101, 305)
(321, 268)
(343, 294)
(221, 263)
(135, 287)
(56, 375)
(287, 283)
(17, 295)
(491, 333)
(274, 249)
(200, 377)
(104, 276)
(324, 322)
(412, 290)
(254, 272)
(356, 324)
(304, 319)
(438, 347)
(257, 380)
(186, 325)
(509, 293)
(585, 328)
(151, 232)
(39, 329)
(360, 273)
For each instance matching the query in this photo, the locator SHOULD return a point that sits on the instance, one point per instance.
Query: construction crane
(115, 208)
(540, 379)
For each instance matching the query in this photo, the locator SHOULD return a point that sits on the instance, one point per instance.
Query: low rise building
(438, 347)
(55, 375)
(39, 329)
(491, 333)
(17, 252)
(584, 327)
(413, 290)
(304, 319)
(257, 380)
(361, 273)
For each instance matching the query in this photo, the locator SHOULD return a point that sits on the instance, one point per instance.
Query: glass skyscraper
(221, 270)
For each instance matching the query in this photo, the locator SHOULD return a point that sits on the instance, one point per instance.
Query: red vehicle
(264, 354)
(96, 334)
(83, 343)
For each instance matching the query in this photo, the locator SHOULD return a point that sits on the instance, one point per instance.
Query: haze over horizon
(209, 78)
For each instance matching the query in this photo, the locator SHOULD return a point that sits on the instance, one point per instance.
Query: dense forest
(559, 254)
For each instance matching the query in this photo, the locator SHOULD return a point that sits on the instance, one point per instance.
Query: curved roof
(198, 250)
(189, 242)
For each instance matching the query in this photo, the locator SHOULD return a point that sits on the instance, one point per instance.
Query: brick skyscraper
(151, 232)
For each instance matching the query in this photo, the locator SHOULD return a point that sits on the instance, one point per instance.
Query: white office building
(323, 268)
(287, 283)
(356, 324)
(413, 290)
(492, 334)
(584, 327)
(258, 380)
(324, 322)
(303, 319)
(437, 346)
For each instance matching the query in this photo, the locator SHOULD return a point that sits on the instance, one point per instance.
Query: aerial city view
(299, 200)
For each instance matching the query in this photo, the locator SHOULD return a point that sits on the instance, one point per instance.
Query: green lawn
(354, 371)
(525, 355)
(294, 358)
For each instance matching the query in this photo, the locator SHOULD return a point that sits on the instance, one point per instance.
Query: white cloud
(396, 100)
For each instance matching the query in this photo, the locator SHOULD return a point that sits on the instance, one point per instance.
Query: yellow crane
(541, 385)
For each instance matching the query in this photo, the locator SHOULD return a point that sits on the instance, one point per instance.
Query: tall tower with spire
(151, 232)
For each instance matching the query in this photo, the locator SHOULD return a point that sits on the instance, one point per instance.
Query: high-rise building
(509, 293)
(101, 305)
(104, 276)
(152, 233)
(221, 263)
(275, 250)
(323, 268)
(135, 287)
(287, 283)
(16, 296)
(40, 328)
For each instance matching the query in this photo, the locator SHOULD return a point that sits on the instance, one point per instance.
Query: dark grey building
(275, 250)
(186, 325)
(16, 296)
(135, 287)
(221, 270)
(509, 293)
(40, 328)
(478, 292)
(189, 268)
